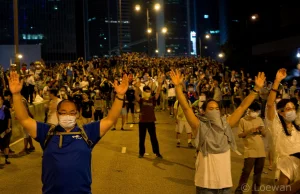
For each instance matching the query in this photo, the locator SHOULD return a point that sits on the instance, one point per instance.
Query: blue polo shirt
(68, 169)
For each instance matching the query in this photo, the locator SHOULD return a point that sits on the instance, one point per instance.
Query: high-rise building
(50, 23)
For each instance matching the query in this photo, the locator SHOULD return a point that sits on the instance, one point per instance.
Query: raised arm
(188, 111)
(15, 86)
(116, 108)
(281, 74)
(160, 81)
(238, 113)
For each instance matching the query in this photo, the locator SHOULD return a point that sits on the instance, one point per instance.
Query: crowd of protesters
(205, 98)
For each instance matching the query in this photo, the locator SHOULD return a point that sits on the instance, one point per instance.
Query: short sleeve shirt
(290, 167)
(68, 169)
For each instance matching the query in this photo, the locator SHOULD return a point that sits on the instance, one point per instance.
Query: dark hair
(255, 106)
(146, 88)
(7, 93)
(280, 106)
(191, 85)
(63, 101)
(206, 103)
(53, 91)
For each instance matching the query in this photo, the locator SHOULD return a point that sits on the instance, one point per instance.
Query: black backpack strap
(86, 138)
(50, 134)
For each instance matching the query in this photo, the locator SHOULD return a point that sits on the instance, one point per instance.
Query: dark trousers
(143, 127)
(98, 115)
(258, 164)
(25, 92)
(30, 91)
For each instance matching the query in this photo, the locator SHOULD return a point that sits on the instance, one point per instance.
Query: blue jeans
(201, 190)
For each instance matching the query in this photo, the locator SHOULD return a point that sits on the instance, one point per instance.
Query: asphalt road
(124, 173)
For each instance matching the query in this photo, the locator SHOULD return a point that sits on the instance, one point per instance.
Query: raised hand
(15, 85)
(122, 88)
(176, 77)
(281, 74)
(260, 80)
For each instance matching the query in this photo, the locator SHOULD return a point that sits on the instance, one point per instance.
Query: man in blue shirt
(66, 165)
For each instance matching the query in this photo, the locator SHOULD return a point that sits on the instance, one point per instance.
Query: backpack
(53, 131)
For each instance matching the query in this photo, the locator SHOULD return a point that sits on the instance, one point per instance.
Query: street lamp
(164, 30)
(207, 36)
(20, 56)
(156, 50)
(157, 7)
(254, 17)
(137, 8)
(149, 30)
(221, 55)
(169, 50)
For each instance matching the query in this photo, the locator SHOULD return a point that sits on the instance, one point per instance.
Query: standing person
(130, 100)
(251, 130)
(99, 105)
(281, 122)
(171, 97)
(31, 84)
(66, 163)
(5, 129)
(87, 109)
(70, 74)
(181, 123)
(213, 166)
(147, 119)
(54, 101)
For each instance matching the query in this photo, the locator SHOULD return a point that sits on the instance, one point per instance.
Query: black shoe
(113, 129)
(141, 156)
(159, 156)
(178, 144)
(7, 161)
(122, 129)
(190, 145)
(31, 149)
(11, 151)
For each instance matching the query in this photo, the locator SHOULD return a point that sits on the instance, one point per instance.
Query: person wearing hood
(251, 130)
(215, 138)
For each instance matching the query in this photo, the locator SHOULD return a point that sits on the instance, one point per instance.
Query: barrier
(38, 111)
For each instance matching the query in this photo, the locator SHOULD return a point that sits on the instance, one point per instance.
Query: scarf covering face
(2, 114)
(215, 134)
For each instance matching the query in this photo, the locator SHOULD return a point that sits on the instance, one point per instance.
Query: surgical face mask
(67, 121)
(146, 94)
(191, 89)
(202, 98)
(254, 114)
(290, 116)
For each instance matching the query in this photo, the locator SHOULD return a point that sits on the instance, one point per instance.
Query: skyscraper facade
(50, 23)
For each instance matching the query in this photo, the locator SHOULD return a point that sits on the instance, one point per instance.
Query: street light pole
(16, 33)
(148, 34)
(200, 47)
(120, 30)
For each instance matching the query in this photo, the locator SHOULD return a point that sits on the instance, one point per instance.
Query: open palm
(15, 85)
(260, 80)
(122, 88)
(176, 77)
(281, 74)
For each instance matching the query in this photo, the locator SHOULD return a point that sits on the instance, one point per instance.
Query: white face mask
(290, 116)
(254, 114)
(202, 98)
(67, 121)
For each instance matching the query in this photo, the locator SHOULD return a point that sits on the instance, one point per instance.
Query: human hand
(176, 77)
(15, 85)
(259, 81)
(280, 75)
(121, 88)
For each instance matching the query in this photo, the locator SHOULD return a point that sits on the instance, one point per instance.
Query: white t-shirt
(213, 171)
(171, 92)
(52, 117)
(290, 167)
(84, 85)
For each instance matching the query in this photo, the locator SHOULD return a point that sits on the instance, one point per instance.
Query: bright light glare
(20, 56)
(137, 8)
(157, 6)
(169, 50)
(221, 55)
(164, 30)
(207, 36)
(298, 55)
(156, 51)
(149, 30)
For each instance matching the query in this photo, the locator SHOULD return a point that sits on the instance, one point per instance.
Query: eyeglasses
(66, 113)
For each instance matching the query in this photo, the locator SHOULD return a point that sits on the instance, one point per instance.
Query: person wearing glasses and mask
(215, 138)
(285, 133)
(66, 164)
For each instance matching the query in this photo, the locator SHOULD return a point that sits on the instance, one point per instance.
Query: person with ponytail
(286, 135)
